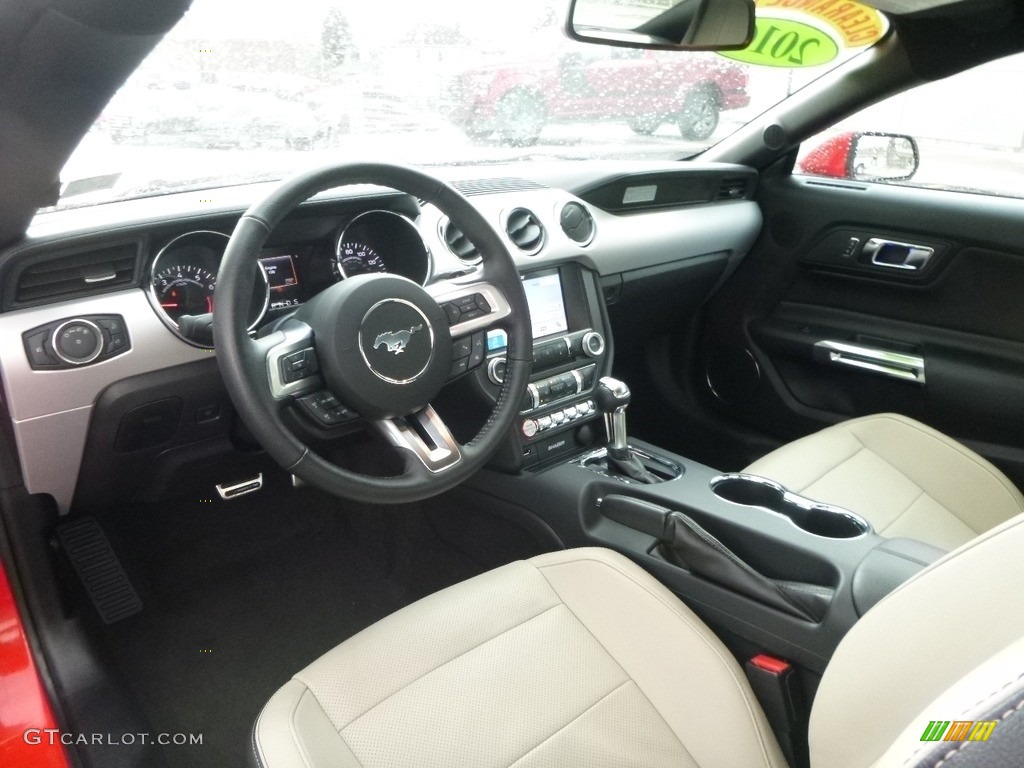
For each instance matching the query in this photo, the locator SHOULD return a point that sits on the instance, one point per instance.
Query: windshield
(253, 92)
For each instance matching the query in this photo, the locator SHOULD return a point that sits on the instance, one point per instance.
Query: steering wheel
(380, 343)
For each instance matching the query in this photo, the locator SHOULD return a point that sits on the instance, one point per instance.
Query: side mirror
(864, 156)
(708, 25)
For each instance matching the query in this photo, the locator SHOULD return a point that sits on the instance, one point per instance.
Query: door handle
(895, 255)
(896, 365)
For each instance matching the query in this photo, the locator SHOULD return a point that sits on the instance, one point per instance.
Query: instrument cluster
(182, 278)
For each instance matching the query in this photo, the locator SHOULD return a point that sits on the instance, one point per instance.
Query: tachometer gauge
(185, 289)
(358, 259)
(183, 278)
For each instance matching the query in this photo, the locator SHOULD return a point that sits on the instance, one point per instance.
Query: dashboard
(133, 284)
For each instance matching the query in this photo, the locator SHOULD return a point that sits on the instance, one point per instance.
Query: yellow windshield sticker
(856, 24)
(785, 43)
(809, 33)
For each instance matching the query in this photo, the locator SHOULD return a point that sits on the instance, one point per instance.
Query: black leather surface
(242, 362)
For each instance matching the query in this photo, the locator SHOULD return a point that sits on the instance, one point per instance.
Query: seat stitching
(294, 735)
(692, 627)
(906, 508)
(968, 454)
(593, 706)
(444, 664)
(836, 466)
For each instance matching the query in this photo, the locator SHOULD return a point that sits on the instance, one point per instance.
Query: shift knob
(612, 397)
(611, 394)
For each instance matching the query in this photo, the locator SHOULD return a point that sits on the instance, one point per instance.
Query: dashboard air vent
(459, 244)
(732, 188)
(77, 274)
(525, 230)
(577, 223)
(471, 187)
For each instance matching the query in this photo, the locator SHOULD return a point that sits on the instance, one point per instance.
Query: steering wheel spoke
(383, 345)
(292, 365)
(470, 306)
(426, 437)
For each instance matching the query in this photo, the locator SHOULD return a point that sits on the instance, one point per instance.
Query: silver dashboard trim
(50, 410)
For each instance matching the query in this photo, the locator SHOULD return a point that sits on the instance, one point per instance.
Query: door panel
(839, 331)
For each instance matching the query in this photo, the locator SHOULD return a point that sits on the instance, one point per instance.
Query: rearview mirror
(710, 25)
(864, 156)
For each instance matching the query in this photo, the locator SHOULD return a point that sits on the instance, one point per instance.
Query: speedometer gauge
(358, 259)
(185, 289)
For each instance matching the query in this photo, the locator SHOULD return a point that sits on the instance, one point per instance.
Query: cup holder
(812, 516)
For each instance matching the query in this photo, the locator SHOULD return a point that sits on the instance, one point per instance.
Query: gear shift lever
(612, 397)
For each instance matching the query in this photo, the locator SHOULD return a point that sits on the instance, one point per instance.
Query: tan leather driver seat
(581, 658)
(900, 475)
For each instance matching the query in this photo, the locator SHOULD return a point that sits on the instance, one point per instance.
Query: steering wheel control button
(476, 355)
(466, 308)
(459, 367)
(462, 347)
(324, 407)
(298, 365)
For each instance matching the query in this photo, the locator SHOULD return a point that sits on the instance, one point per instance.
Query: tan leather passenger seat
(900, 475)
(582, 658)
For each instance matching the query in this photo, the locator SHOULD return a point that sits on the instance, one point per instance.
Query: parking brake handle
(683, 542)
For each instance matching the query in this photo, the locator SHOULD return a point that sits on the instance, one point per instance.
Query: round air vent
(577, 223)
(459, 244)
(525, 230)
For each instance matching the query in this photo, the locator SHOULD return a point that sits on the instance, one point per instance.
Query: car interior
(706, 460)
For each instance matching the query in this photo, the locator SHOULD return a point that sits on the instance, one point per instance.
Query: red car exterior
(642, 88)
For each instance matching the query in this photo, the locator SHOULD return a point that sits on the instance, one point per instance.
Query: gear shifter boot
(627, 464)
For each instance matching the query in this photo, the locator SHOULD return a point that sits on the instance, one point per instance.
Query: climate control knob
(593, 343)
(77, 341)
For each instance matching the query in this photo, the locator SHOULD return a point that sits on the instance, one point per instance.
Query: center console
(571, 352)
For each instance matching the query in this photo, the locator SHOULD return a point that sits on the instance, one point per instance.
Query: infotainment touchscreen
(547, 306)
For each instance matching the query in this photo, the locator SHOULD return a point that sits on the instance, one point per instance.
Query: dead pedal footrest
(99, 569)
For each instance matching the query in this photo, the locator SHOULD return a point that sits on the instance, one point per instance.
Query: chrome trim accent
(291, 340)
(559, 207)
(102, 279)
(154, 300)
(412, 225)
(362, 352)
(504, 217)
(917, 257)
(442, 226)
(579, 379)
(592, 461)
(445, 453)
(896, 365)
(446, 291)
(797, 500)
(534, 393)
(585, 341)
(253, 484)
(492, 370)
(95, 328)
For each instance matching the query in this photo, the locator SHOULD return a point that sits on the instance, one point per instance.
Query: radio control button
(593, 343)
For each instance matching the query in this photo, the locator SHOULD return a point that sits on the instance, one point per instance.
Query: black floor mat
(241, 595)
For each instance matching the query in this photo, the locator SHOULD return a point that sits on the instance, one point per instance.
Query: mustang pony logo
(396, 341)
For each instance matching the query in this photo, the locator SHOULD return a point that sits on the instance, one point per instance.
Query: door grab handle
(897, 365)
(894, 255)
